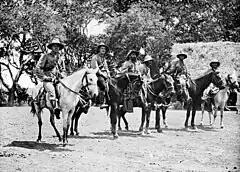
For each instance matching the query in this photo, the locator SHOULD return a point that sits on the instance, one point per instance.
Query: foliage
(139, 27)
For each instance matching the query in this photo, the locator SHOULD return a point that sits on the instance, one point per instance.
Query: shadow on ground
(124, 133)
(38, 146)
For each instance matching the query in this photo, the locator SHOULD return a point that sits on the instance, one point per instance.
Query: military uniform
(211, 90)
(46, 69)
(177, 68)
(145, 73)
(129, 66)
(101, 63)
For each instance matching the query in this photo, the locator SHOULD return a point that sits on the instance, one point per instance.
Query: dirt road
(94, 150)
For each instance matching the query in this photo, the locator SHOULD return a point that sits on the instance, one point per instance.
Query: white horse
(69, 96)
(220, 99)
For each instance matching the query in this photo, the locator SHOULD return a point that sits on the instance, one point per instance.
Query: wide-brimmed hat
(214, 61)
(131, 52)
(102, 45)
(182, 54)
(56, 42)
(147, 58)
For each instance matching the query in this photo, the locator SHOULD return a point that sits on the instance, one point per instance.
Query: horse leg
(72, 123)
(164, 110)
(189, 107)
(76, 122)
(125, 121)
(202, 107)
(67, 115)
(52, 121)
(194, 109)
(214, 116)
(148, 113)
(221, 118)
(113, 120)
(143, 119)
(157, 118)
(38, 113)
(119, 119)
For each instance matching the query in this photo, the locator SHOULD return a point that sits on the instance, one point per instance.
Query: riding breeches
(50, 90)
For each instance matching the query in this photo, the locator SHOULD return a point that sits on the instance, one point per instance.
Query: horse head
(217, 80)
(232, 80)
(89, 82)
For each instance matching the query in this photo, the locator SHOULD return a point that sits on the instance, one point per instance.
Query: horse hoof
(201, 123)
(159, 130)
(60, 139)
(166, 126)
(115, 136)
(140, 129)
(77, 133)
(38, 140)
(71, 134)
(222, 127)
(126, 128)
(194, 128)
(119, 128)
(147, 131)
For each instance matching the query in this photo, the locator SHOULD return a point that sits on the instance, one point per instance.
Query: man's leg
(52, 97)
(105, 95)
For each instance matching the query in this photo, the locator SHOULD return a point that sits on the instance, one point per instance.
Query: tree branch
(9, 70)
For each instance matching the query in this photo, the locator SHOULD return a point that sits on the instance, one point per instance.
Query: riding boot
(56, 109)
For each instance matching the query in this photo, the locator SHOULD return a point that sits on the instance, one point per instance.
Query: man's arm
(39, 68)
(125, 67)
(172, 67)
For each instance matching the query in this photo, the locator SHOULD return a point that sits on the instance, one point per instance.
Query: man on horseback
(144, 70)
(47, 70)
(178, 70)
(130, 65)
(99, 61)
(212, 89)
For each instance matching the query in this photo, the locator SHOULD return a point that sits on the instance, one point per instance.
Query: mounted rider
(211, 90)
(144, 70)
(48, 71)
(130, 65)
(99, 61)
(178, 69)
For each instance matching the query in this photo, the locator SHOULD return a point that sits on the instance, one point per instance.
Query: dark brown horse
(196, 88)
(117, 87)
(82, 107)
(155, 102)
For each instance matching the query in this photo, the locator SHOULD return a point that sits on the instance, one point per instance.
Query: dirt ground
(208, 149)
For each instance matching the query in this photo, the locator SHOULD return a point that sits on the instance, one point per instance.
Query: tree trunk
(11, 95)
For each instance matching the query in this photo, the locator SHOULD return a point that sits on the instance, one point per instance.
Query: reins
(79, 94)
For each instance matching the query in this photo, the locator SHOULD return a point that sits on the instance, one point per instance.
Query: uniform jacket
(177, 67)
(47, 66)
